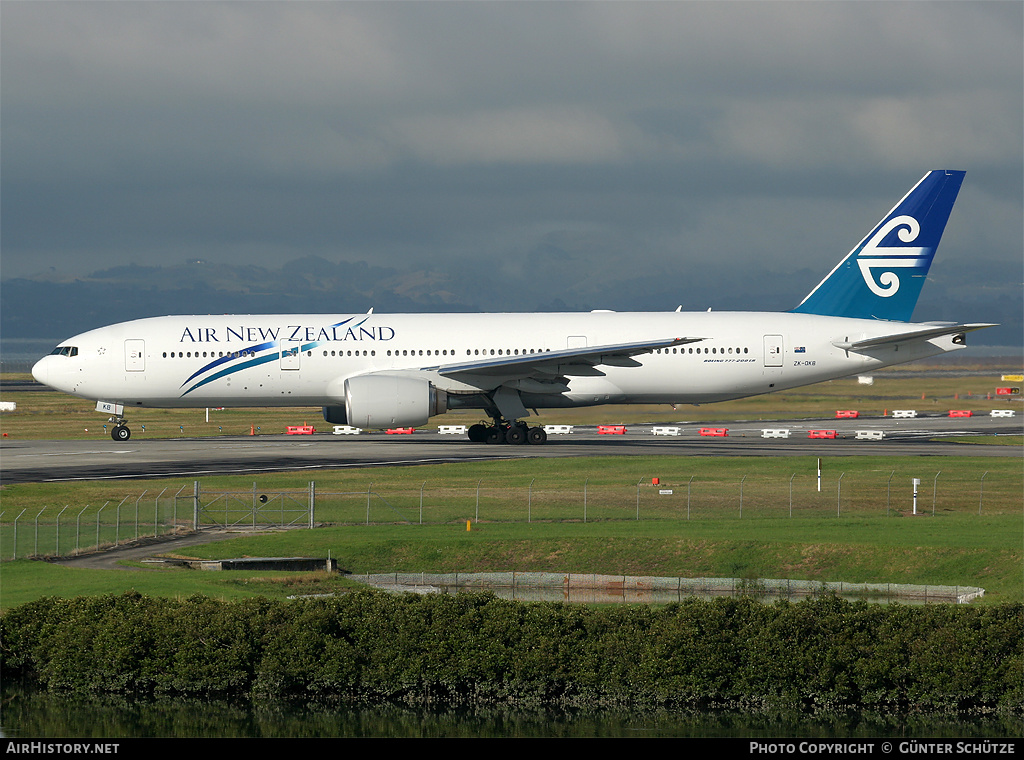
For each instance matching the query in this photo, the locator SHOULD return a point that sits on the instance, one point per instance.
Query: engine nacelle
(336, 415)
(380, 401)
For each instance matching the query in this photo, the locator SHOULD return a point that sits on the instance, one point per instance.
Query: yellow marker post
(467, 526)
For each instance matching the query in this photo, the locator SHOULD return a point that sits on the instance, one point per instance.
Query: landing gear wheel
(478, 433)
(537, 436)
(516, 434)
(495, 434)
(120, 433)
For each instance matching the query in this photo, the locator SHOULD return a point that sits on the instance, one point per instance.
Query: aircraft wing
(491, 371)
(927, 332)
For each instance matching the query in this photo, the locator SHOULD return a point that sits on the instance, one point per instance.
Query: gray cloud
(660, 136)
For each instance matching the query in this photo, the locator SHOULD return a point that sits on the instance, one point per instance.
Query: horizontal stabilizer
(926, 333)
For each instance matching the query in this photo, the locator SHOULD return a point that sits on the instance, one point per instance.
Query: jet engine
(379, 401)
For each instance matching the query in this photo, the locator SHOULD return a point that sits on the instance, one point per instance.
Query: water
(50, 716)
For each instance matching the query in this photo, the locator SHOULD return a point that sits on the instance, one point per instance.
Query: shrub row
(478, 649)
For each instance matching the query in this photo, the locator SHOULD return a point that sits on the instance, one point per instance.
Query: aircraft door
(773, 350)
(290, 357)
(135, 355)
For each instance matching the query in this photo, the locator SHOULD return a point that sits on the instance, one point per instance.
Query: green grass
(872, 540)
(964, 550)
(865, 543)
(52, 415)
(988, 440)
(26, 580)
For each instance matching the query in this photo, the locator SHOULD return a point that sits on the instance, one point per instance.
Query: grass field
(958, 550)
(52, 415)
(726, 517)
(859, 534)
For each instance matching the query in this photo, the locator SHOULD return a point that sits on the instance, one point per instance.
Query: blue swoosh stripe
(252, 362)
(232, 370)
(225, 359)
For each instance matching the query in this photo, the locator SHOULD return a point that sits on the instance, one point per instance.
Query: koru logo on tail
(872, 257)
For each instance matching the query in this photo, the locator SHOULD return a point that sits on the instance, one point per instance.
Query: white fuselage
(303, 360)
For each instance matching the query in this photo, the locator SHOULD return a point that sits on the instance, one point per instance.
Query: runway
(50, 461)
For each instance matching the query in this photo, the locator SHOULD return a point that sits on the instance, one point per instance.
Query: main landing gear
(501, 431)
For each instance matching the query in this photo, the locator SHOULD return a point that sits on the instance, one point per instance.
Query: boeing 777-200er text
(376, 371)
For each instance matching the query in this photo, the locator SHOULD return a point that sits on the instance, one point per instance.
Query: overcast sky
(654, 135)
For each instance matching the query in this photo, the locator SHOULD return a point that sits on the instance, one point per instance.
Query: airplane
(397, 370)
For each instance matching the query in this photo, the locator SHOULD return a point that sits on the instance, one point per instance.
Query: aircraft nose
(40, 370)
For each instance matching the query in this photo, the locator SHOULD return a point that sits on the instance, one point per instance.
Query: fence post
(839, 493)
(16, 533)
(791, 494)
(368, 487)
(741, 495)
(529, 502)
(156, 515)
(35, 545)
(195, 505)
(312, 502)
(638, 499)
(888, 491)
(424, 483)
(174, 514)
(478, 500)
(981, 498)
(78, 529)
(688, 497)
(137, 514)
(98, 511)
(587, 480)
(57, 547)
(935, 485)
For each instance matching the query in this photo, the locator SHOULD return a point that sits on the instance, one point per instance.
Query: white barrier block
(775, 433)
(451, 429)
(558, 429)
(665, 431)
(904, 412)
(8, 406)
(347, 430)
(1002, 413)
(870, 435)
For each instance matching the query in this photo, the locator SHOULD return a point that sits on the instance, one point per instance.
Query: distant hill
(559, 279)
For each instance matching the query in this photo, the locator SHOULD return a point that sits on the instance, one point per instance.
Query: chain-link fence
(67, 529)
(593, 587)
(692, 497)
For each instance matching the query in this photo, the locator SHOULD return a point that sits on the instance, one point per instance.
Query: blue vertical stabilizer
(882, 277)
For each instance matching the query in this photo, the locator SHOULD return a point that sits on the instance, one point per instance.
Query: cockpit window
(64, 351)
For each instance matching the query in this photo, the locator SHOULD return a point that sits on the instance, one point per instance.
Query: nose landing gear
(121, 432)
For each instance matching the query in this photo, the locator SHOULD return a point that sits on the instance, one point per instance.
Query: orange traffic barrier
(611, 429)
(821, 433)
(400, 431)
(300, 430)
(960, 412)
(715, 432)
(847, 414)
